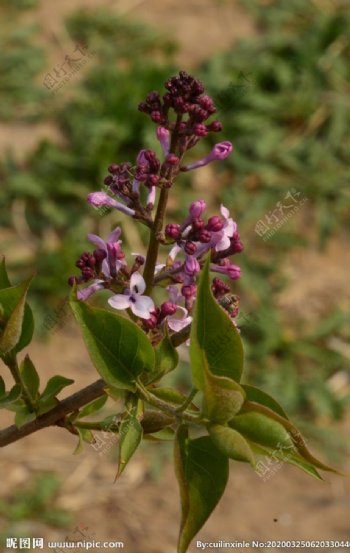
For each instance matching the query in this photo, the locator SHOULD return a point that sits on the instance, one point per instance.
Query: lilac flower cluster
(106, 267)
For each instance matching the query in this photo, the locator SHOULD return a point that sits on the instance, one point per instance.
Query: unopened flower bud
(197, 224)
(189, 290)
(215, 224)
(215, 126)
(204, 236)
(190, 247)
(168, 308)
(197, 208)
(113, 168)
(173, 231)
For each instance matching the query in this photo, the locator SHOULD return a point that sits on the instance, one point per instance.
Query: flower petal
(85, 293)
(224, 211)
(223, 244)
(97, 241)
(114, 235)
(137, 283)
(120, 301)
(142, 306)
(179, 324)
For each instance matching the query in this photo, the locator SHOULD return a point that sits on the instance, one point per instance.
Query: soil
(142, 508)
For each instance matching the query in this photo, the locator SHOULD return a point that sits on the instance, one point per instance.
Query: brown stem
(68, 405)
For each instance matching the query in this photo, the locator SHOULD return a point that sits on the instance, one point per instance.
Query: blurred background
(71, 77)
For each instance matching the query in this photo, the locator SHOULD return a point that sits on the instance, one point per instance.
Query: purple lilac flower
(163, 136)
(115, 257)
(99, 199)
(140, 305)
(220, 152)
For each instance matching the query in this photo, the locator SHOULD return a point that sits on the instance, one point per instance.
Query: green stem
(153, 245)
(164, 406)
(188, 401)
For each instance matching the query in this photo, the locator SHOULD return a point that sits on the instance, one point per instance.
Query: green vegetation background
(283, 97)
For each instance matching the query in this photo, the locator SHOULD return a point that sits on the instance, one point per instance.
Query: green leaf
(92, 407)
(167, 357)
(130, 433)
(46, 405)
(262, 430)
(290, 457)
(12, 396)
(17, 318)
(202, 473)
(254, 394)
(23, 416)
(84, 435)
(118, 348)
(231, 443)
(30, 377)
(2, 387)
(214, 338)
(169, 394)
(4, 279)
(54, 386)
(223, 397)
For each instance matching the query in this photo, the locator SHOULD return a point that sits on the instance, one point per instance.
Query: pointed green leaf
(202, 473)
(231, 443)
(17, 318)
(84, 435)
(254, 394)
(30, 377)
(288, 456)
(118, 348)
(130, 433)
(262, 430)
(92, 407)
(11, 396)
(4, 279)
(54, 386)
(288, 426)
(223, 397)
(214, 338)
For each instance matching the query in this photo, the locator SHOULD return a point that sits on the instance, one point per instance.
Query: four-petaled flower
(140, 305)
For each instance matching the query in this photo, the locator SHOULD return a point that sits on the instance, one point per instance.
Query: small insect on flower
(230, 302)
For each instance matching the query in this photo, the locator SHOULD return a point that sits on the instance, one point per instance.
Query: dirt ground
(142, 509)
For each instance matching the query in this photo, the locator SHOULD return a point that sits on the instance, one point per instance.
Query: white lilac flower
(140, 305)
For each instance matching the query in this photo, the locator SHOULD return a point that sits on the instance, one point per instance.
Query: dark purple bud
(100, 255)
(188, 290)
(113, 169)
(219, 287)
(190, 248)
(204, 236)
(197, 224)
(171, 159)
(108, 180)
(200, 130)
(73, 280)
(152, 180)
(215, 224)
(168, 308)
(215, 126)
(173, 231)
(156, 117)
